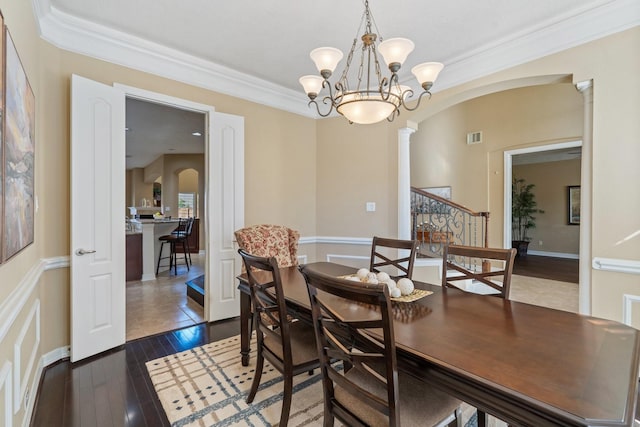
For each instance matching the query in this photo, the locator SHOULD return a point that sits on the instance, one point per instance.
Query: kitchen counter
(151, 230)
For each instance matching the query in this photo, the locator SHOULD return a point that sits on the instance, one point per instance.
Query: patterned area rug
(207, 386)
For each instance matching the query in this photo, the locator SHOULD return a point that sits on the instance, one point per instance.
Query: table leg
(245, 327)
(483, 419)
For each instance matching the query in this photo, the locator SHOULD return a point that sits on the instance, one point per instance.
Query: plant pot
(521, 246)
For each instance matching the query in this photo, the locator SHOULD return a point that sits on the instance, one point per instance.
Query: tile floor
(162, 304)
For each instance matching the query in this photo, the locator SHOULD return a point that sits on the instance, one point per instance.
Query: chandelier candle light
(374, 98)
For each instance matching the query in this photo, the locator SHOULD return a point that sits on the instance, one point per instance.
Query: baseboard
(554, 254)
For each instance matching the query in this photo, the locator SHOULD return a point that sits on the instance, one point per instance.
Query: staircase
(437, 222)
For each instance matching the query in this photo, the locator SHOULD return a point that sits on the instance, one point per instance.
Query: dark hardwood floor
(543, 267)
(114, 389)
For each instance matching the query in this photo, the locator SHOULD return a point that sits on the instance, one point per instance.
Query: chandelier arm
(385, 94)
(426, 92)
(324, 101)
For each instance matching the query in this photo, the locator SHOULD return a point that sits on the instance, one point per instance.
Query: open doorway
(553, 246)
(165, 182)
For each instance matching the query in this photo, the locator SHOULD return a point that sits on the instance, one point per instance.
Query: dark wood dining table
(525, 364)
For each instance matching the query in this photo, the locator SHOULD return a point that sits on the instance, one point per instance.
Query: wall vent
(474, 138)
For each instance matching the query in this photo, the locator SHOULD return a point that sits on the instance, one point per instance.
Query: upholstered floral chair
(268, 240)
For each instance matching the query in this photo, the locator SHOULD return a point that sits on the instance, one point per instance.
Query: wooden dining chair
(403, 262)
(476, 265)
(477, 268)
(369, 391)
(287, 344)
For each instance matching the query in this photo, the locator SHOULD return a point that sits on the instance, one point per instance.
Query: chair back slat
(381, 260)
(478, 265)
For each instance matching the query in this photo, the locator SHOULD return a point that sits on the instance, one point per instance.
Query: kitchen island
(152, 229)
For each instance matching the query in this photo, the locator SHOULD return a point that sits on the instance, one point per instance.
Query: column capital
(584, 85)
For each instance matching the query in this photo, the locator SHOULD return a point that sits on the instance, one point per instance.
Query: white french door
(98, 205)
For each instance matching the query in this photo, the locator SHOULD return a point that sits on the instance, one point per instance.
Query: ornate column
(404, 182)
(586, 188)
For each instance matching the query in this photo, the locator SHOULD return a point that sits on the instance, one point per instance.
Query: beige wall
(514, 118)
(552, 229)
(188, 181)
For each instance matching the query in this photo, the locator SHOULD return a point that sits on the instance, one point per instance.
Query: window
(186, 205)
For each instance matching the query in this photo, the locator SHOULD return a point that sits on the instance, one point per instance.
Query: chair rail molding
(11, 307)
(617, 265)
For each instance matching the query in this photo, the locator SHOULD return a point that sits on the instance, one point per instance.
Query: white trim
(5, 383)
(559, 33)
(554, 254)
(617, 265)
(88, 38)
(330, 257)
(55, 355)
(11, 307)
(302, 259)
(20, 383)
(508, 171)
(628, 301)
(555, 35)
(360, 241)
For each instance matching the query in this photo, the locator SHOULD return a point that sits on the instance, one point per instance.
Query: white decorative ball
(362, 273)
(391, 284)
(372, 280)
(405, 285)
(395, 293)
(371, 276)
(354, 278)
(382, 277)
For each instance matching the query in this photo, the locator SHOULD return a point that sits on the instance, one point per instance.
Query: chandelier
(371, 98)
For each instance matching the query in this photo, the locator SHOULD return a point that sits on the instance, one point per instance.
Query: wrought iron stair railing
(437, 222)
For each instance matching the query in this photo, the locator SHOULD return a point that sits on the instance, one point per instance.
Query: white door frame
(212, 222)
(584, 287)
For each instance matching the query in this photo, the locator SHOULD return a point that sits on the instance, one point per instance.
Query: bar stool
(186, 231)
(173, 240)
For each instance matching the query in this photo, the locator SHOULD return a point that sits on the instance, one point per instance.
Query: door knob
(84, 252)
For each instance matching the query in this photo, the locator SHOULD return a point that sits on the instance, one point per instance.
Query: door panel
(97, 226)
(225, 214)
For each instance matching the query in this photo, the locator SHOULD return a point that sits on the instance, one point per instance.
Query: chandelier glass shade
(370, 97)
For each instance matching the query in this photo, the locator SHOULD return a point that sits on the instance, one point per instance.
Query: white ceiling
(257, 50)
(156, 129)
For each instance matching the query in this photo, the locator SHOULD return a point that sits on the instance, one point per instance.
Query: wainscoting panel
(631, 309)
(355, 261)
(228, 292)
(25, 349)
(6, 413)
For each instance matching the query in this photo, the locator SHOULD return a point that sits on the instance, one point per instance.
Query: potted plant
(523, 208)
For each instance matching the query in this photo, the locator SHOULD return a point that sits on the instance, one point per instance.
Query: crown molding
(81, 36)
(87, 38)
(564, 32)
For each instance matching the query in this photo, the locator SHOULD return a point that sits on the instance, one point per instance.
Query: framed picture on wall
(1, 128)
(573, 204)
(19, 154)
(444, 192)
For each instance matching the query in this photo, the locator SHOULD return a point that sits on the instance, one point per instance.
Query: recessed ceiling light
(196, 133)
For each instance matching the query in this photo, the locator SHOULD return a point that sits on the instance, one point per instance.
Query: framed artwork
(573, 204)
(1, 127)
(19, 154)
(444, 192)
